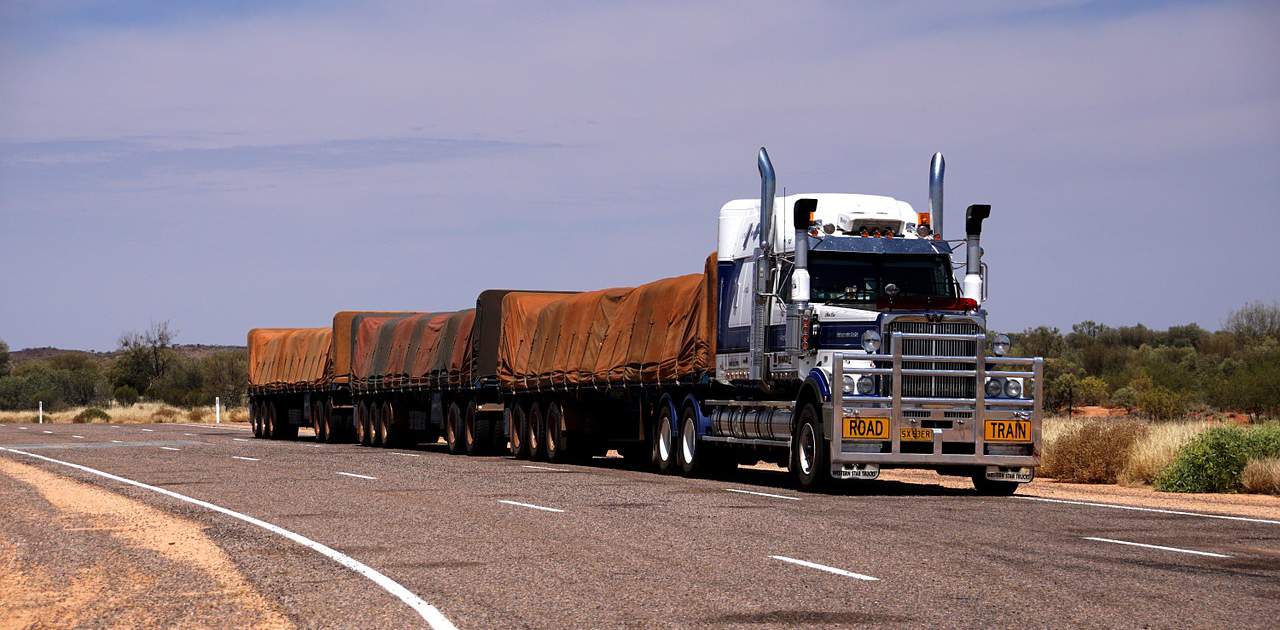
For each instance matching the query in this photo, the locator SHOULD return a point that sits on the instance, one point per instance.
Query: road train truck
(828, 333)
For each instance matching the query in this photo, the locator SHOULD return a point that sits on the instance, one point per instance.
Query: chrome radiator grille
(936, 386)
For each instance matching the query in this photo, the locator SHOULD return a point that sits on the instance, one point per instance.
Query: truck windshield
(859, 279)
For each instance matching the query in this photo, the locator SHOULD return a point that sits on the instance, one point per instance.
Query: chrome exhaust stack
(763, 270)
(937, 168)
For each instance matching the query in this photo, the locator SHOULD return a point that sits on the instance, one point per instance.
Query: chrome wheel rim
(688, 441)
(808, 449)
(664, 440)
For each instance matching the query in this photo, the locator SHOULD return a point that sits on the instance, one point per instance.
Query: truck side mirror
(804, 210)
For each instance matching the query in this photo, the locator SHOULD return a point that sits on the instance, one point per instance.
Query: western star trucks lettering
(831, 337)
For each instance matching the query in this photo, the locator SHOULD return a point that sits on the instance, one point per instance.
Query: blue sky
(237, 164)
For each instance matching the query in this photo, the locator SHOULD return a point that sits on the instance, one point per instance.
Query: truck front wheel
(809, 455)
(989, 488)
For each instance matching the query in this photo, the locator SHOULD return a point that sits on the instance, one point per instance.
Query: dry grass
(1090, 450)
(1262, 476)
(1157, 450)
(145, 412)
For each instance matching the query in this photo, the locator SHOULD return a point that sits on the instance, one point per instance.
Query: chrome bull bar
(895, 405)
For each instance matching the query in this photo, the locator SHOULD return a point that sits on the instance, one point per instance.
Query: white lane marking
(315, 445)
(1161, 547)
(1156, 510)
(149, 430)
(823, 567)
(170, 448)
(239, 439)
(114, 426)
(530, 505)
(247, 459)
(429, 613)
(763, 494)
(49, 432)
(117, 441)
(357, 476)
(191, 434)
(543, 468)
(406, 454)
(78, 437)
(23, 428)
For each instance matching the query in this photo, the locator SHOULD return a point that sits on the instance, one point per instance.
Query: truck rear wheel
(537, 434)
(255, 418)
(477, 434)
(394, 434)
(269, 418)
(361, 410)
(555, 442)
(519, 430)
(453, 429)
(809, 454)
(663, 457)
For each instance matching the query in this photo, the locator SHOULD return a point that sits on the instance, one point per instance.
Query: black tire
(476, 435)
(255, 418)
(321, 422)
(361, 411)
(989, 488)
(393, 433)
(694, 458)
(636, 455)
(809, 451)
(537, 434)
(520, 430)
(556, 446)
(453, 429)
(662, 455)
(269, 428)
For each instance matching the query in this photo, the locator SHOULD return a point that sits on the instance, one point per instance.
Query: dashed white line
(191, 434)
(115, 426)
(406, 454)
(247, 459)
(149, 430)
(117, 441)
(530, 506)
(823, 567)
(240, 439)
(429, 613)
(763, 494)
(23, 428)
(357, 476)
(49, 432)
(170, 448)
(1156, 510)
(1160, 547)
(543, 468)
(78, 437)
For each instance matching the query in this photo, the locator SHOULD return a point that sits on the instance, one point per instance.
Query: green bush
(126, 395)
(1159, 403)
(1093, 452)
(1214, 461)
(1125, 397)
(89, 415)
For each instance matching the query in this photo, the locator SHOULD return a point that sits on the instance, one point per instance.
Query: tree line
(1163, 374)
(146, 364)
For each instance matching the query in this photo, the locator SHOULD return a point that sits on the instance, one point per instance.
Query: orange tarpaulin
(657, 332)
(391, 351)
(288, 357)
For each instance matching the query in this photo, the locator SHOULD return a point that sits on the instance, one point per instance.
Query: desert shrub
(1092, 451)
(126, 395)
(1261, 476)
(164, 414)
(89, 415)
(1125, 397)
(1159, 403)
(1215, 459)
(195, 415)
(1157, 449)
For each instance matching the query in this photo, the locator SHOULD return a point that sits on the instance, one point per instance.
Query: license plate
(865, 428)
(1008, 431)
(1019, 475)
(915, 435)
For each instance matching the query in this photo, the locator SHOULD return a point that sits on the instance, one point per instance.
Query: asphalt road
(473, 537)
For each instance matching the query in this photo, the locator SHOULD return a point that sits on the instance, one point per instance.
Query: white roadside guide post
(217, 410)
(40, 414)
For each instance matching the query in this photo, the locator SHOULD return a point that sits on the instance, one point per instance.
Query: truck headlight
(1013, 388)
(995, 387)
(866, 386)
(871, 341)
(1000, 345)
(848, 383)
